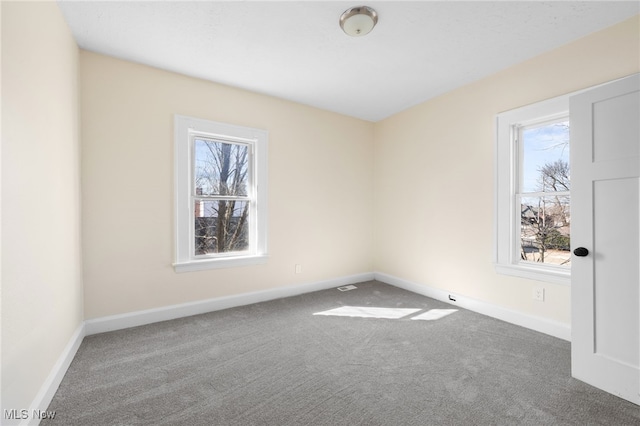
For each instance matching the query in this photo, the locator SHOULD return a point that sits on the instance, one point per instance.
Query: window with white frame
(220, 194)
(532, 217)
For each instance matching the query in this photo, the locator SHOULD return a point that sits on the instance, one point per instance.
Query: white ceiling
(296, 50)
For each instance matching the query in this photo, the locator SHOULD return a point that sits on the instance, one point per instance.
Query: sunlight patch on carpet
(368, 312)
(434, 314)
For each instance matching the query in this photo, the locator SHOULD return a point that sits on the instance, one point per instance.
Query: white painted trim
(134, 319)
(50, 386)
(547, 274)
(185, 129)
(220, 262)
(506, 220)
(542, 325)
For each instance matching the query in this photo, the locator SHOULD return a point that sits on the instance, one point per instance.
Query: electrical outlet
(538, 294)
(298, 269)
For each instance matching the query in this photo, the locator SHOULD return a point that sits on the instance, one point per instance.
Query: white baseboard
(51, 384)
(134, 319)
(116, 322)
(543, 325)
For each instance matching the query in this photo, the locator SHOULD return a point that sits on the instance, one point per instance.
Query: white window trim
(184, 129)
(506, 157)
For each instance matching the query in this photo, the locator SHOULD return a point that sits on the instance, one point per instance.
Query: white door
(605, 200)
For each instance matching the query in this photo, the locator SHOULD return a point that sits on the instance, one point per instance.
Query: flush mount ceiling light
(358, 21)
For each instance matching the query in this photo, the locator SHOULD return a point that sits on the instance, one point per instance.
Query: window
(533, 217)
(220, 199)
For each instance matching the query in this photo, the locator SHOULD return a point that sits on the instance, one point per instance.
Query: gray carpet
(275, 363)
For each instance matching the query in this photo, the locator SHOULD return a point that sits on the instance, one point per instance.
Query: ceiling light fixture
(358, 21)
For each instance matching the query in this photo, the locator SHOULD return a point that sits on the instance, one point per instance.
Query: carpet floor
(276, 363)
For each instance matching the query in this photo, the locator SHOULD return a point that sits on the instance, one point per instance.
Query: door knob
(581, 251)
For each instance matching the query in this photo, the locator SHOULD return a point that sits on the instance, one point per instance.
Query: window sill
(227, 262)
(556, 276)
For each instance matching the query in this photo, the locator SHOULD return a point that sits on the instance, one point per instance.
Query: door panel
(609, 141)
(615, 247)
(605, 202)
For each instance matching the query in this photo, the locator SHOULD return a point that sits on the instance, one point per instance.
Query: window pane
(221, 168)
(545, 164)
(221, 226)
(545, 230)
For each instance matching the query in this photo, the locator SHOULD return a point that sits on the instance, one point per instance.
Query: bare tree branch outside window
(221, 207)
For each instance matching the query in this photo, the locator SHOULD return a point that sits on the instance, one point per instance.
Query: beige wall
(434, 166)
(320, 188)
(41, 272)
